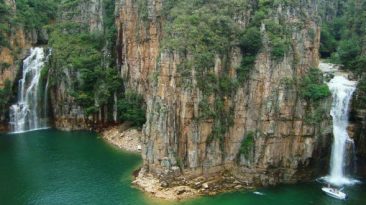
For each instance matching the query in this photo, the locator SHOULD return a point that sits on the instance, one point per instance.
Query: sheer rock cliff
(286, 147)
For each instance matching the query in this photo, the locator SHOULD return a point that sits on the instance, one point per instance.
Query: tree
(132, 109)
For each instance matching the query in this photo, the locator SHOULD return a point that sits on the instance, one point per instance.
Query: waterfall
(28, 114)
(342, 90)
(115, 107)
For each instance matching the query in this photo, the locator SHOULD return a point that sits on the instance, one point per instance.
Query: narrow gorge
(225, 95)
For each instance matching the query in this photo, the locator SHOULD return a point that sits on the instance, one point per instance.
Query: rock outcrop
(286, 148)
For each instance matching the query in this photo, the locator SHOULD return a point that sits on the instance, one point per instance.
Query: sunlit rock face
(286, 148)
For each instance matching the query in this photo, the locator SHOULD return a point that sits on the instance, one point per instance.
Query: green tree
(132, 109)
(312, 87)
(348, 51)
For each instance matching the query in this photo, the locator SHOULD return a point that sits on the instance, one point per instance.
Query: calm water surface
(55, 167)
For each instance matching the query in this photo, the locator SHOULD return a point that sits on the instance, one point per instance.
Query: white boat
(333, 192)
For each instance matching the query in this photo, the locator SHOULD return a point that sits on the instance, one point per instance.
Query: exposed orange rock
(286, 147)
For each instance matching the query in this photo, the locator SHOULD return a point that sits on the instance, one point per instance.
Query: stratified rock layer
(286, 148)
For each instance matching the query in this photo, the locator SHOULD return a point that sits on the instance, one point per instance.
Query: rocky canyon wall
(268, 118)
(260, 127)
(67, 113)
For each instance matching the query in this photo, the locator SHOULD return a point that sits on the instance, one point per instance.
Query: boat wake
(259, 193)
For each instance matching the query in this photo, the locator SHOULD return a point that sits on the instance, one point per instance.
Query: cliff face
(267, 113)
(357, 126)
(357, 132)
(85, 16)
(260, 128)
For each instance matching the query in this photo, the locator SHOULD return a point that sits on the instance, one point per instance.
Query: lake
(56, 167)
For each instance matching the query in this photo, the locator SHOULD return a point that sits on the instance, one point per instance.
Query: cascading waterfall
(342, 90)
(28, 113)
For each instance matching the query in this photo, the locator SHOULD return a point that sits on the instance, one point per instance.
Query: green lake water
(54, 167)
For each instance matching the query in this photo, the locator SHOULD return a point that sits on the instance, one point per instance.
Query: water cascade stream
(342, 90)
(30, 111)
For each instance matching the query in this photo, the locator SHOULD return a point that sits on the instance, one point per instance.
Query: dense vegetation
(85, 54)
(34, 14)
(343, 38)
(30, 14)
(312, 86)
(81, 52)
(132, 109)
(5, 20)
(343, 41)
(313, 89)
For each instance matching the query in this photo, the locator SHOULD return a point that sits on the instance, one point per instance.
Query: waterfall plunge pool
(54, 167)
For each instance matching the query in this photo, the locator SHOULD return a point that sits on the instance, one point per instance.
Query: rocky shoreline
(172, 185)
(154, 187)
(183, 187)
(128, 139)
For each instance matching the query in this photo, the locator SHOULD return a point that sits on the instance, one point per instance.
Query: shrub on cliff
(250, 41)
(279, 48)
(250, 44)
(312, 87)
(247, 144)
(132, 109)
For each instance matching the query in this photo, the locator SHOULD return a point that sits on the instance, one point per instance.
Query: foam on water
(342, 90)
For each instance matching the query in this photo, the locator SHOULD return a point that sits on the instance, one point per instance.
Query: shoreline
(183, 187)
(129, 139)
(175, 187)
(152, 186)
(123, 137)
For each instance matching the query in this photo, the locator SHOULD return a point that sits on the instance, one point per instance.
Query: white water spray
(342, 90)
(28, 114)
